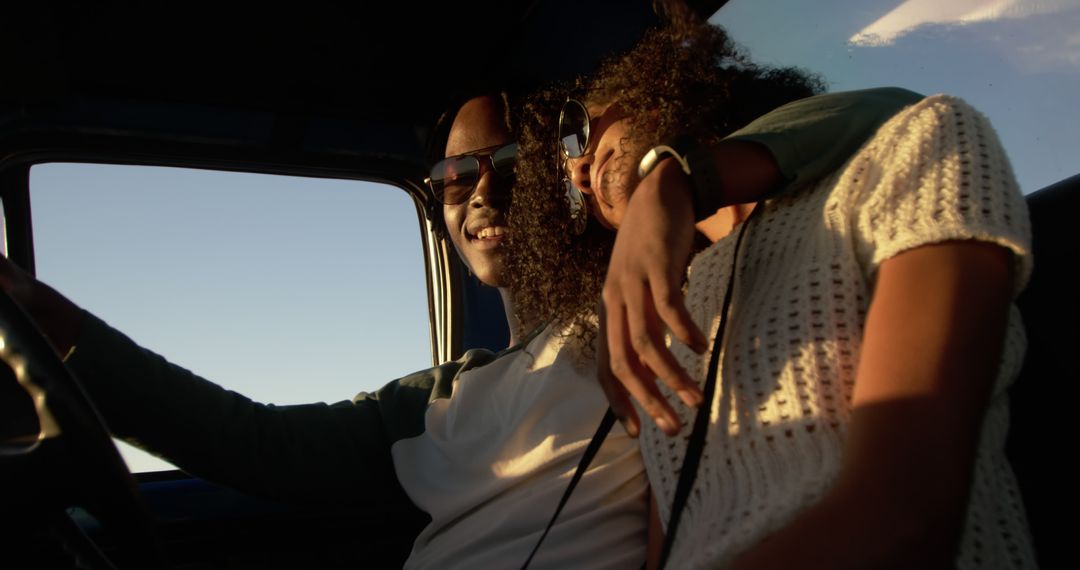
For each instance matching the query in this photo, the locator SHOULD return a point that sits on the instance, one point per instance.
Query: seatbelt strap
(697, 437)
(583, 465)
(694, 447)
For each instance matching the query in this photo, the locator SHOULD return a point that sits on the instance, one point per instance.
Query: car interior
(327, 90)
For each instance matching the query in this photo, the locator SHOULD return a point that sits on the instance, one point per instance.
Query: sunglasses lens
(574, 129)
(453, 179)
(504, 159)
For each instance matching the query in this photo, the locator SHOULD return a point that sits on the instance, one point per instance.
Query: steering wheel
(71, 461)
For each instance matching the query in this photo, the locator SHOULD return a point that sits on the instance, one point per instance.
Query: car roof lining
(332, 84)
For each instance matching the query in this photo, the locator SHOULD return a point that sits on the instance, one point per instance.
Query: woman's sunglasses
(573, 129)
(453, 179)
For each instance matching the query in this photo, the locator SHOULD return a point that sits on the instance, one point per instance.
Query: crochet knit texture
(935, 172)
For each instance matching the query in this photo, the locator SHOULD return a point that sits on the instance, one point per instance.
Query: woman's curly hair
(553, 273)
(684, 78)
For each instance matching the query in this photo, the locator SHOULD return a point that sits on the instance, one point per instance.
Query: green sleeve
(314, 453)
(811, 137)
(403, 403)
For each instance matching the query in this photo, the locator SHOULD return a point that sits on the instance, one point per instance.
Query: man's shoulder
(403, 403)
(436, 381)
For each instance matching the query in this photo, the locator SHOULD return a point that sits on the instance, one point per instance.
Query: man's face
(605, 173)
(477, 226)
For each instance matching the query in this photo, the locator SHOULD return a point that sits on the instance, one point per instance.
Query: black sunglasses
(573, 129)
(453, 179)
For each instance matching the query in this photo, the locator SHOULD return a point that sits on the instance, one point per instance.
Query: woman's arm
(930, 355)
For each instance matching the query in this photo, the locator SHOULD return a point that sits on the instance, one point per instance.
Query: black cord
(697, 438)
(696, 445)
(590, 452)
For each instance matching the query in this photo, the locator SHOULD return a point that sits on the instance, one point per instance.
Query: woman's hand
(643, 296)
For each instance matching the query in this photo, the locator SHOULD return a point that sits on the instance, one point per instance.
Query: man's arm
(797, 143)
(811, 137)
(311, 453)
(794, 144)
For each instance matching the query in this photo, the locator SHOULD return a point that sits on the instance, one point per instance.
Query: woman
(869, 339)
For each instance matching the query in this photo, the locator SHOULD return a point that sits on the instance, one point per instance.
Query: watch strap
(699, 163)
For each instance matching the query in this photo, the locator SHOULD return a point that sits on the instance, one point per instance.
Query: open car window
(285, 289)
(1017, 61)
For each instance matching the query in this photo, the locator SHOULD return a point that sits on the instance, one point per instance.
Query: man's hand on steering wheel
(56, 316)
(72, 460)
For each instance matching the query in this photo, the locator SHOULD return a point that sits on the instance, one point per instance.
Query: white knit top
(934, 172)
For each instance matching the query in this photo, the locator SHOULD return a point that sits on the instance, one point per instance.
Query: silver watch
(698, 162)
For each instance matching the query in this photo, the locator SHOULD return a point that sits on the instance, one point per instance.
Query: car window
(1017, 61)
(285, 289)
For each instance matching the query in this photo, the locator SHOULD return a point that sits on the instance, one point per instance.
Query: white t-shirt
(497, 456)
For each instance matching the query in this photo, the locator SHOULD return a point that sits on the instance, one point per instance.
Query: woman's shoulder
(935, 172)
(940, 119)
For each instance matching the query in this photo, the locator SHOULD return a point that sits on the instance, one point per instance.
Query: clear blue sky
(294, 290)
